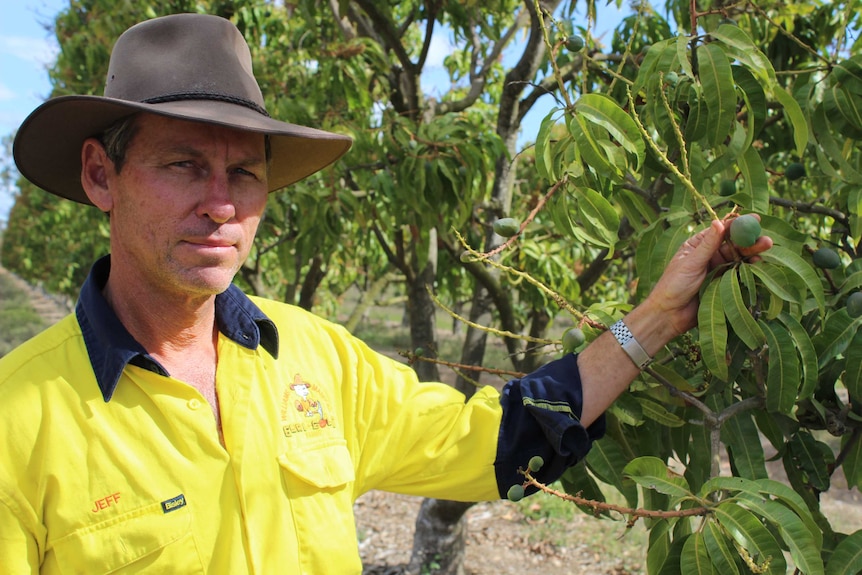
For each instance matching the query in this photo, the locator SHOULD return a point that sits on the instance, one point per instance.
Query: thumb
(702, 246)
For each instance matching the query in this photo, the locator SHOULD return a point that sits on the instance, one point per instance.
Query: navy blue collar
(111, 347)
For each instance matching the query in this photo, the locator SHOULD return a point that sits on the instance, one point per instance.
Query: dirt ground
(501, 540)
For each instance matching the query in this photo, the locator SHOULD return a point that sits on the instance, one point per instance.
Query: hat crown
(183, 57)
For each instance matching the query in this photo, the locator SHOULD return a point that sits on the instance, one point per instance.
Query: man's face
(186, 205)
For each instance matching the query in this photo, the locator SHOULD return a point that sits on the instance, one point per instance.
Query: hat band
(206, 96)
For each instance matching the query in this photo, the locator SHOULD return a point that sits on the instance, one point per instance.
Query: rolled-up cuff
(541, 416)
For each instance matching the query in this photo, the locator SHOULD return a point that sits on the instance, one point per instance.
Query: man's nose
(217, 202)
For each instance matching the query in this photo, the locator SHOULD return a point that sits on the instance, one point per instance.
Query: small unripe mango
(516, 492)
(794, 171)
(744, 230)
(854, 304)
(536, 462)
(727, 188)
(826, 258)
(572, 339)
(574, 43)
(507, 227)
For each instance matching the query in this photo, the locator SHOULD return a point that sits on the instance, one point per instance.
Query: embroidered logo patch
(173, 503)
(303, 409)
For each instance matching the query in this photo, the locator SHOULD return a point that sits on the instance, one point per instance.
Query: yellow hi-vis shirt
(128, 475)
(142, 484)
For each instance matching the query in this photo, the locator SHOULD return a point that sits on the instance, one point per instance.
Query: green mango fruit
(516, 492)
(727, 188)
(744, 230)
(572, 339)
(574, 43)
(826, 258)
(536, 463)
(854, 304)
(794, 171)
(507, 227)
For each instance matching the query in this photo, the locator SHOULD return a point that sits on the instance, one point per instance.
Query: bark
(312, 280)
(439, 541)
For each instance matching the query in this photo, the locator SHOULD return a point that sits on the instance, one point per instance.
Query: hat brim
(47, 147)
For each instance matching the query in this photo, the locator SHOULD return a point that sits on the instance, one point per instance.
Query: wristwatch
(630, 345)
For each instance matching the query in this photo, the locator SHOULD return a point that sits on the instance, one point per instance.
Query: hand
(675, 293)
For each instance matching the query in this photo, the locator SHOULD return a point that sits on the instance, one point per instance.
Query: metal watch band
(630, 345)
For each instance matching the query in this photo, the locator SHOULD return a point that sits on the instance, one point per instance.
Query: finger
(762, 244)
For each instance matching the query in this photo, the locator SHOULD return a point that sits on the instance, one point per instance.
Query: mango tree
(729, 117)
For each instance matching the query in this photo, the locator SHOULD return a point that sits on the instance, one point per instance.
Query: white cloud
(38, 51)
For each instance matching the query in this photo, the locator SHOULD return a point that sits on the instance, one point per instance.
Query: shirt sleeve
(541, 416)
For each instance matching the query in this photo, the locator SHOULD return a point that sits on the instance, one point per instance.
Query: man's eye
(244, 172)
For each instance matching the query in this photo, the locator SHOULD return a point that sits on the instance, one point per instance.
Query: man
(175, 425)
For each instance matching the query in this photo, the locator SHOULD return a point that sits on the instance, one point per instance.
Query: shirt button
(194, 404)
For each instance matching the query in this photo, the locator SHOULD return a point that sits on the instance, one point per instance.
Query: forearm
(606, 370)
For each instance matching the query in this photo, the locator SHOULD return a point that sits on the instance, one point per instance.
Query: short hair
(116, 139)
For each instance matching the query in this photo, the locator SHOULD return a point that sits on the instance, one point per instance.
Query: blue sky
(26, 49)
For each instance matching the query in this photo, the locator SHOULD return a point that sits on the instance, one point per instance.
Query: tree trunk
(422, 314)
(439, 541)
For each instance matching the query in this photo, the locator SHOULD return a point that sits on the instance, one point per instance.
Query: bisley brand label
(173, 503)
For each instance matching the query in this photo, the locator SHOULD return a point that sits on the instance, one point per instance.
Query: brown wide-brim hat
(188, 66)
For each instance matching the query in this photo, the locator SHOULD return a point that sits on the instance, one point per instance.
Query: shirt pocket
(324, 465)
(318, 481)
(146, 540)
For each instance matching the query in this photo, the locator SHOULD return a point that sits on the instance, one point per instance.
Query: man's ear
(96, 172)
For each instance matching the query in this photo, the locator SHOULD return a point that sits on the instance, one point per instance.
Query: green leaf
(577, 481)
(786, 495)
(695, 557)
(695, 124)
(793, 111)
(719, 551)
(852, 465)
(716, 77)
(755, 98)
(658, 413)
(652, 473)
(778, 281)
(591, 153)
(605, 112)
(808, 355)
(755, 182)
(837, 333)
(739, 45)
(544, 148)
(795, 263)
(659, 547)
(827, 144)
(803, 549)
(750, 534)
(741, 320)
(606, 460)
(813, 457)
(853, 369)
(713, 331)
(649, 66)
(740, 435)
(847, 557)
(599, 218)
(782, 377)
